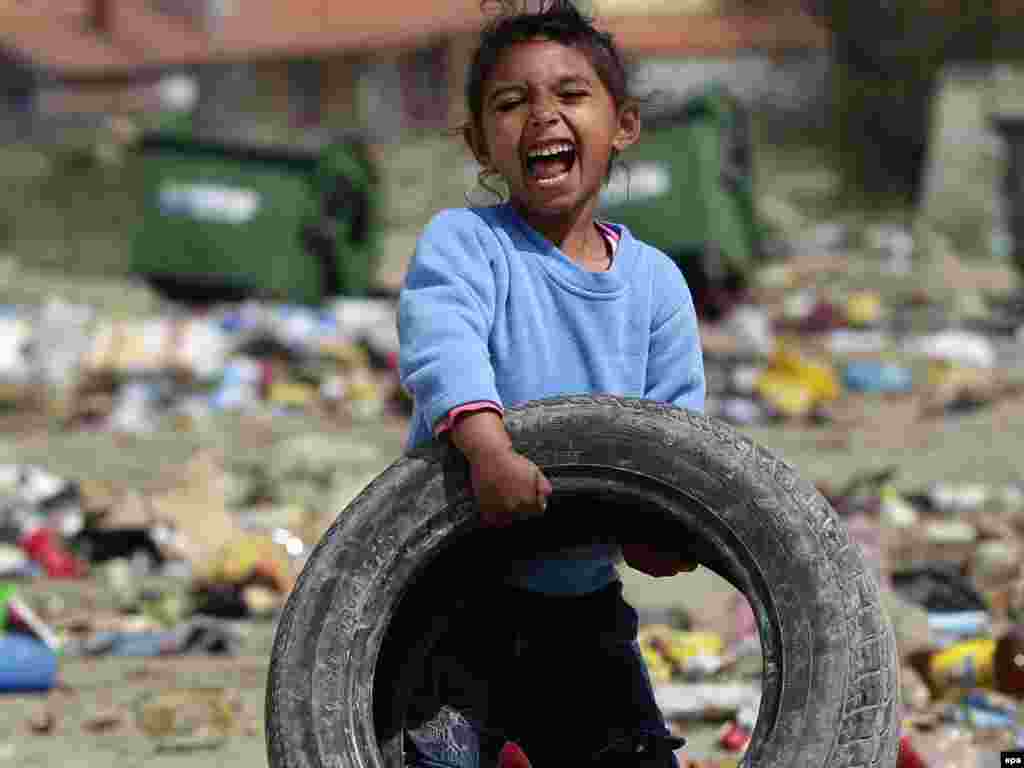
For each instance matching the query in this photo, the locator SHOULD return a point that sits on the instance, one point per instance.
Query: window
(424, 79)
(305, 89)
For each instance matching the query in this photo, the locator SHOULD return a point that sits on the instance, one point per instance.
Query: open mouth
(550, 163)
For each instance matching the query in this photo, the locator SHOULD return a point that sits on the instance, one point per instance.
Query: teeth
(552, 149)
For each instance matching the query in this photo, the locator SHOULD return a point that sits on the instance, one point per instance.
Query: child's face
(549, 126)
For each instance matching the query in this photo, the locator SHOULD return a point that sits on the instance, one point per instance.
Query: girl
(527, 299)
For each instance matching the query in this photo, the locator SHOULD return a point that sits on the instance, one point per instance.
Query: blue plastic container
(877, 376)
(25, 664)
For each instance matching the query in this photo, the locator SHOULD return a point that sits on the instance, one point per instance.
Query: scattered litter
(218, 544)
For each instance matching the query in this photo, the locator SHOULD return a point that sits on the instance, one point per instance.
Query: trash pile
(186, 563)
(808, 345)
(806, 336)
(216, 545)
(185, 568)
(188, 567)
(130, 375)
(957, 600)
(949, 561)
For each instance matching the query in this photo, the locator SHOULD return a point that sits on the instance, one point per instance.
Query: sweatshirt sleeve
(675, 362)
(445, 312)
(448, 421)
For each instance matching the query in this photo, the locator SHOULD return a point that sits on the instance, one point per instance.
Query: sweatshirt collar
(567, 272)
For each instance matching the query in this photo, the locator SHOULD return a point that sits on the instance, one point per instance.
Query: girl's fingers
(546, 485)
(543, 491)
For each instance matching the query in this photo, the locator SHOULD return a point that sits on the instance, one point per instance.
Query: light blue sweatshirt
(492, 310)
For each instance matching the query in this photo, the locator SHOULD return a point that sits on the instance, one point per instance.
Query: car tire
(830, 677)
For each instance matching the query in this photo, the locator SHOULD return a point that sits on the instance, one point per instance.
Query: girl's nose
(543, 115)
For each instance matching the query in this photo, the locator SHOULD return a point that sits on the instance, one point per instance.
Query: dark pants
(560, 676)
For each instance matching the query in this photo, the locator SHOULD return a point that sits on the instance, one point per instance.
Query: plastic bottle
(877, 376)
(43, 545)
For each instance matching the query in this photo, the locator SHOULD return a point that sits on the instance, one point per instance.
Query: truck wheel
(349, 632)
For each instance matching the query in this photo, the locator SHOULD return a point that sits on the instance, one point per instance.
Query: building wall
(460, 53)
(401, 94)
(273, 95)
(789, 91)
(423, 75)
(340, 108)
(243, 101)
(967, 159)
(59, 99)
(653, 7)
(221, 87)
(282, 99)
(378, 97)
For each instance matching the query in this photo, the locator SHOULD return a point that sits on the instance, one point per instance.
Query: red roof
(708, 34)
(58, 34)
(139, 36)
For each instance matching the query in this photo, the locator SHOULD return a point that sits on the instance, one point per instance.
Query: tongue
(549, 167)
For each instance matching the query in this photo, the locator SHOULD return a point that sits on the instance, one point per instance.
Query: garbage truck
(687, 188)
(226, 221)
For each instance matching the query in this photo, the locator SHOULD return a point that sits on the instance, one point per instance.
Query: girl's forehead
(539, 61)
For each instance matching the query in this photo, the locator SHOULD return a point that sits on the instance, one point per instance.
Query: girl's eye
(573, 95)
(505, 106)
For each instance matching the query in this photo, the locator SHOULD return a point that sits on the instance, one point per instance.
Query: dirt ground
(872, 433)
(982, 446)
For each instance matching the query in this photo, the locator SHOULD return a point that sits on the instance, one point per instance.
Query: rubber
(350, 631)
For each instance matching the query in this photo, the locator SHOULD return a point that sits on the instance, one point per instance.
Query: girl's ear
(475, 144)
(629, 127)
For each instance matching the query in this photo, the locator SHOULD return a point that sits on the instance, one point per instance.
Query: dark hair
(556, 20)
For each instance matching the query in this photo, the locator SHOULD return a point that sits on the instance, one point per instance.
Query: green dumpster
(687, 188)
(227, 221)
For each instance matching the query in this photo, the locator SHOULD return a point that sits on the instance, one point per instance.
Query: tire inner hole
(712, 603)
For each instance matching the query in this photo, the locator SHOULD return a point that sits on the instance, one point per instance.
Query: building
(295, 63)
(391, 68)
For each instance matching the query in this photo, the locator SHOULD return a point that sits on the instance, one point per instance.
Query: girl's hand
(655, 562)
(508, 487)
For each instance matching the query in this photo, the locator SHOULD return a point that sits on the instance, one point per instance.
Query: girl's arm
(675, 362)
(508, 486)
(481, 435)
(448, 421)
(445, 312)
